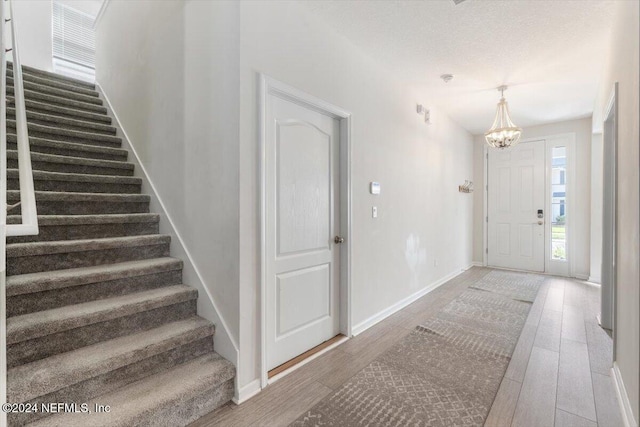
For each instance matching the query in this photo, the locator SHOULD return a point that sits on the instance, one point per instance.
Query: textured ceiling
(548, 52)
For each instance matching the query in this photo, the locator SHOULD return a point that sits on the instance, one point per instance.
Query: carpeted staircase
(97, 312)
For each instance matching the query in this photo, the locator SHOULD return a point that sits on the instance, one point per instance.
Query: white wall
(581, 222)
(33, 19)
(423, 219)
(170, 72)
(622, 66)
(35, 29)
(185, 87)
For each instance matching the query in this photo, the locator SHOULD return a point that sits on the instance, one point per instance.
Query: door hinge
(486, 251)
(486, 219)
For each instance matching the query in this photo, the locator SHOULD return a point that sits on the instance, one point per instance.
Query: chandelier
(503, 132)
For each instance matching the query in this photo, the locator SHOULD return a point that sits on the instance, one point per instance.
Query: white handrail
(29, 225)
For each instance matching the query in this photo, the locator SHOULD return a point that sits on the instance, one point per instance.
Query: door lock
(338, 240)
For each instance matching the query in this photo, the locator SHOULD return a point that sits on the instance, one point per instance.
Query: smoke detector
(447, 77)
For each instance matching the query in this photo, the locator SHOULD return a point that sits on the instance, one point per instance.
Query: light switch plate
(374, 187)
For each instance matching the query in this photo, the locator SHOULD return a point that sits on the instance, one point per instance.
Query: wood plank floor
(558, 376)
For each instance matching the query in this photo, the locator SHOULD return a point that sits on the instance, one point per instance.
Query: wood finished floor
(559, 374)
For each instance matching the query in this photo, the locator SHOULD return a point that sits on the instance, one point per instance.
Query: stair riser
(58, 151)
(78, 187)
(63, 102)
(111, 381)
(62, 124)
(83, 208)
(88, 231)
(28, 71)
(57, 110)
(39, 301)
(72, 168)
(39, 348)
(54, 84)
(49, 90)
(64, 260)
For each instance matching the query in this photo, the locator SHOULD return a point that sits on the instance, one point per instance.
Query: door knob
(338, 239)
(539, 222)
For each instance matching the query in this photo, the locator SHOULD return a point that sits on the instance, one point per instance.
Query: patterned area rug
(447, 371)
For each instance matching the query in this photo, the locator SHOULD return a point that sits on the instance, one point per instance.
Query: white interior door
(516, 194)
(301, 220)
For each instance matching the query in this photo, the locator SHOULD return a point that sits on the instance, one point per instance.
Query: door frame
(609, 231)
(569, 139)
(269, 86)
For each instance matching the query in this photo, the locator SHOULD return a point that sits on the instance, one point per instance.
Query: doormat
(447, 371)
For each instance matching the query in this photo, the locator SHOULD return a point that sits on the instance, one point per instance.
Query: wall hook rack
(467, 187)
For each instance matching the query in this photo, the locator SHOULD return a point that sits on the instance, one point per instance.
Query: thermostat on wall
(374, 187)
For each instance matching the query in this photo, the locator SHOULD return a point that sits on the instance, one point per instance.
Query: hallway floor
(559, 373)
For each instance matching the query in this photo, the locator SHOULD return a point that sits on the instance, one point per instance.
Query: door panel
(311, 290)
(516, 192)
(303, 187)
(301, 217)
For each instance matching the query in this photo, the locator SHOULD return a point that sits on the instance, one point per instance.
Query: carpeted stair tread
(54, 158)
(71, 149)
(78, 177)
(45, 376)
(43, 323)
(63, 122)
(63, 93)
(68, 133)
(82, 203)
(48, 280)
(53, 76)
(49, 220)
(63, 246)
(58, 100)
(58, 110)
(65, 85)
(97, 308)
(164, 399)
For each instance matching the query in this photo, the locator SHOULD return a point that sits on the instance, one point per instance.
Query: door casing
(609, 214)
(268, 86)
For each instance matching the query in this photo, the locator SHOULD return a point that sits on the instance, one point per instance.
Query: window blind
(73, 36)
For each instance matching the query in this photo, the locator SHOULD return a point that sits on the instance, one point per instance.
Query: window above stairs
(74, 42)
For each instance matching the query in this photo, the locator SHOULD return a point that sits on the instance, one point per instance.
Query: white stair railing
(29, 224)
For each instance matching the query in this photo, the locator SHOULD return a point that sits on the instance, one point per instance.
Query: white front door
(516, 195)
(301, 220)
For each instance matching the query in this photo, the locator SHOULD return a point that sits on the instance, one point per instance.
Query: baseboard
(582, 276)
(477, 264)
(378, 317)
(224, 342)
(594, 279)
(623, 398)
(246, 392)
